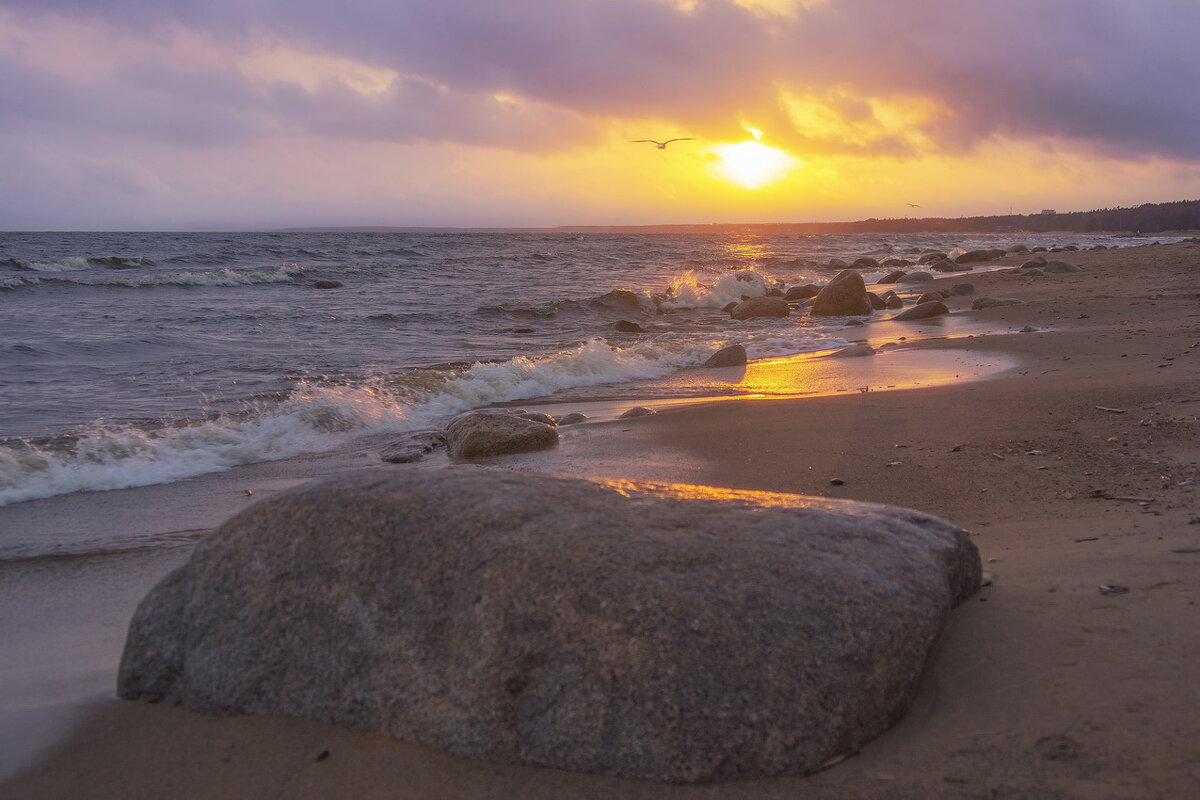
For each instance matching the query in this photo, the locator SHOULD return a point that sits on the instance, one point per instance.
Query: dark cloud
(1112, 75)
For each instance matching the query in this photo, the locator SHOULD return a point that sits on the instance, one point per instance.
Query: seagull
(912, 205)
(663, 145)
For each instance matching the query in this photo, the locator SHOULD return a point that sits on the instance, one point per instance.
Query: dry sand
(1043, 686)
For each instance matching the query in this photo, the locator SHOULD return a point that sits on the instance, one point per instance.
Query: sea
(130, 359)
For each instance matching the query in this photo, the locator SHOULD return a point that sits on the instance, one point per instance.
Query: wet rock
(877, 302)
(932, 297)
(574, 418)
(837, 263)
(760, 307)
(729, 307)
(653, 632)
(962, 289)
(1038, 249)
(845, 295)
(773, 292)
(893, 301)
(1018, 248)
(994, 302)
(638, 411)
(853, 351)
(1036, 261)
(865, 262)
(892, 277)
(916, 277)
(932, 258)
(801, 292)
(538, 416)
(976, 256)
(732, 356)
(625, 326)
(947, 265)
(923, 311)
(328, 284)
(406, 448)
(487, 433)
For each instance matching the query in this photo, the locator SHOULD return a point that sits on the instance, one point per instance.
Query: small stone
(638, 411)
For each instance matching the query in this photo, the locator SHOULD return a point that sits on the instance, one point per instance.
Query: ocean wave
(322, 417)
(17, 282)
(690, 291)
(219, 277)
(70, 264)
(618, 302)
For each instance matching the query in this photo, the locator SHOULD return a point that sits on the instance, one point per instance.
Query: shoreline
(1042, 686)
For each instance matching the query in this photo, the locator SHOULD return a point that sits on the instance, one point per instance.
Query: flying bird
(663, 145)
(912, 205)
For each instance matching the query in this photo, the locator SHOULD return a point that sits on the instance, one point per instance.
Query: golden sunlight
(752, 164)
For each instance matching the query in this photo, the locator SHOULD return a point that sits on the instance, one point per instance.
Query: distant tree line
(1149, 218)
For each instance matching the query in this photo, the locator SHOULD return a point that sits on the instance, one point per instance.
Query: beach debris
(732, 356)
(1104, 494)
(988, 578)
(957, 448)
(1112, 588)
(895, 463)
(248, 493)
(1110, 410)
(1028, 329)
(1069, 495)
(638, 411)
(836, 482)
(520, 591)
(1035, 452)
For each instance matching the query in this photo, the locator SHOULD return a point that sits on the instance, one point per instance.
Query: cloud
(1104, 73)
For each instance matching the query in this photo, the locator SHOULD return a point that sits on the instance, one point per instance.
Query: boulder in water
(732, 356)
(923, 311)
(625, 326)
(760, 307)
(491, 433)
(845, 295)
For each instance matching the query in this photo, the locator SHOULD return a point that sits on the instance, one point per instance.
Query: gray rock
(932, 258)
(638, 411)
(994, 302)
(843, 296)
(976, 256)
(1036, 261)
(801, 292)
(574, 418)
(662, 633)
(760, 307)
(853, 351)
(916, 277)
(892, 277)
(489, 433)
(893, 301)
(412, 446)
(732, 356)
(1061, 266)
(837, 263)
(625, 326)
(865, 262)
(962, 289)
(932, 297)
(923, 311)
(538, 416)
(877, 302)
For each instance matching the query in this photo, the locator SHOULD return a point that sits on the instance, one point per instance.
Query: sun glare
(753, 164)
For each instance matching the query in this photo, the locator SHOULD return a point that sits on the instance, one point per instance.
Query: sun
(752, 164)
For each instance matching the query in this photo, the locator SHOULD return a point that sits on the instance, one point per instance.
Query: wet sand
(1043, 685)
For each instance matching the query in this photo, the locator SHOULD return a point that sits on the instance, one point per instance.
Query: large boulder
(760, 307)
(732, 356)
(489, 433)
(665, 633)
(843, 296)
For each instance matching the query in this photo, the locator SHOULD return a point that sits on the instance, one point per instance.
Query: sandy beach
(1074, 468)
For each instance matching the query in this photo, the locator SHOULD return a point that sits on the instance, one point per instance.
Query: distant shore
(1073, 675)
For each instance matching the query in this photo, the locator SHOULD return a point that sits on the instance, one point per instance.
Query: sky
(252, 114)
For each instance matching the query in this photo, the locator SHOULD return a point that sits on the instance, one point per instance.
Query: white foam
(72, 264)
(219, 277)
(321, 418)
(689, 291)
